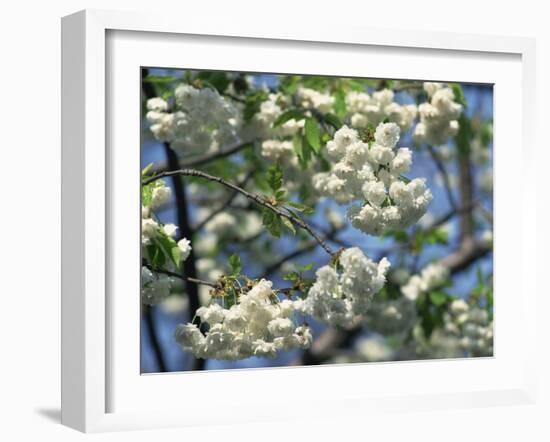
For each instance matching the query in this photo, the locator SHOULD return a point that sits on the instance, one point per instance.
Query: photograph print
(297, 220)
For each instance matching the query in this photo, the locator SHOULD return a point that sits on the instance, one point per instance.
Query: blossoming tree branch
(260, 176)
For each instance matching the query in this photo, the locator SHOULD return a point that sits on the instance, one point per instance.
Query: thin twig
(224, 206)
(198, 281)
(305, 248)
(199, 161)
(405, 86)
(182, 277)
(254, 197)
(447, 216)
(233, 97)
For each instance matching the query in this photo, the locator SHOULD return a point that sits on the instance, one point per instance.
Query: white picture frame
(88, 167)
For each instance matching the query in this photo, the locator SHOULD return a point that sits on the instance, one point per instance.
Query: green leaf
(267, 216)
(459, 94)
(218, 80)
(301, 207)
(146, 169)
(289, 84)
(288, 224)
(333, 120)
(437, 236)
(275, 177)
(479, 275)
(166, 244)
(340, 104)
(438, 298)
(159, 79)
(175, 254)
(235, 263)
(292, 276)
(292, 114)
(275, 227)
(280, 194)
(404, 179)
(253, 103)
(297, 145)
(306, 153)
(398, 235)
(305, 268)
(313, 135)
(271, 222)
(486, 133)
(153, 253)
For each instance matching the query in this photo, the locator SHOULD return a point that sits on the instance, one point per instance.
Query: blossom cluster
(391, 317)
(151, 229)
(365, 109)
(257, 325)
(261, 125)
(467, 331)
(432, 276)
(439, 117)
(312, 99)
(367, 349)
(202, 120)
(373, 173)
(157, 287)
(342, 296)
(472, 326)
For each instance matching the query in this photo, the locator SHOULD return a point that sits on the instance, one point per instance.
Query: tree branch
(155, 343)
(305, 248)
(182, 277)
(207, 158)
(189, 266)
(254, 197)
(443, 171)
(224, 206)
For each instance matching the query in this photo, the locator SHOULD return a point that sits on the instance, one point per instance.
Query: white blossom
(170, 230)
(256, 325)
(432, 276)
(261, 125)
(373, 349)
(201, 121)
(185, 248)
(365, 109)
(312, 99)
(438, 117)
(373, 174)
(220, 224)
(154, 287)
(149, 230)
(157, 104)
(275, 150)
(391, 317)
(343, 297)
(160, 195)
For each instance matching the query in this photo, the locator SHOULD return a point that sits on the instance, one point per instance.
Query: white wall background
(30, 206)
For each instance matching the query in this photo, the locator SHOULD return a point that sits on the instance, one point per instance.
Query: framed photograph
(255, 216)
